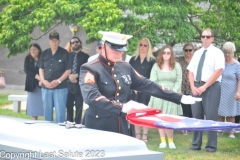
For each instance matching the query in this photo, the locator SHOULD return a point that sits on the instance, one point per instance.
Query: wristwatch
(59, 81)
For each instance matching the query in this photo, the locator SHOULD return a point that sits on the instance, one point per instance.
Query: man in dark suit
(74, 96)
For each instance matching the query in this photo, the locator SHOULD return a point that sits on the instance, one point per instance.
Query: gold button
(118, 100)
(117, 81)
(115, 75)
(119, 87)
(109, 63)
(96, 116)
(117, 94)
(105, 82)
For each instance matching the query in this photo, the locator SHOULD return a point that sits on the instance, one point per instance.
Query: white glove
(189, 99)
(132, 104)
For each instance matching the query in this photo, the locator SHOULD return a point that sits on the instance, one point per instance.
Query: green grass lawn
(4, 100)
(8, 112)
(228, 149)
(22, 114)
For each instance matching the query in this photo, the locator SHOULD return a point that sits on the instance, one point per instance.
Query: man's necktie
(200, 65)
(74, 69)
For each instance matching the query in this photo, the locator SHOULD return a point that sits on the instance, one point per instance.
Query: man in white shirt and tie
(205, 71)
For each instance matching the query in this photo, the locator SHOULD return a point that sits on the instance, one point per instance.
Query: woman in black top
(142, 62)
(33, 83)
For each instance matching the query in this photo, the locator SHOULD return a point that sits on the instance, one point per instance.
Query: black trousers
(131, 130)
(237, 119)
(187, 110)
(77, 100)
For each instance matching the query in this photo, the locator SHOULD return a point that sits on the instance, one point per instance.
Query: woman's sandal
(145, 139)
(138, 135)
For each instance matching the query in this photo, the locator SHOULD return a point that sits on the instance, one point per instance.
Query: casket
(48, 140)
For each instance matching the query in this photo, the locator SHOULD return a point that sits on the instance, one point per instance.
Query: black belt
(201, 82)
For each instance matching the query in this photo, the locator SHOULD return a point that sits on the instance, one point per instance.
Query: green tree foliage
(223, 17)
(164, 21)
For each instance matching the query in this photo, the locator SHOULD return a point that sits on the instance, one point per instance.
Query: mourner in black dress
(105, 81)
(143, 66)
(142, 62)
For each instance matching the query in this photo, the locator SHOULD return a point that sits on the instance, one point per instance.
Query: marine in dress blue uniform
(106, 81)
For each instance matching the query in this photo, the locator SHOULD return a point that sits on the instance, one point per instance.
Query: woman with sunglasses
(142, 62)
(184, 60)
(167, 73)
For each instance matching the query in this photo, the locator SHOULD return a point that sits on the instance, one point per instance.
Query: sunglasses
(99, 47)
(143, 45)
(74, 42)
(208, 37)
(187, 50)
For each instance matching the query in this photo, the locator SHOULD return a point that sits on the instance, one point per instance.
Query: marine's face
(112, 55)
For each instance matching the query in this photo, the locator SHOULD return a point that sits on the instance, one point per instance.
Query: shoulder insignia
(89, 78)
(139, 75)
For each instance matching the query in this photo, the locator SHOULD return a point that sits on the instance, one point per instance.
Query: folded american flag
(151, 117)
